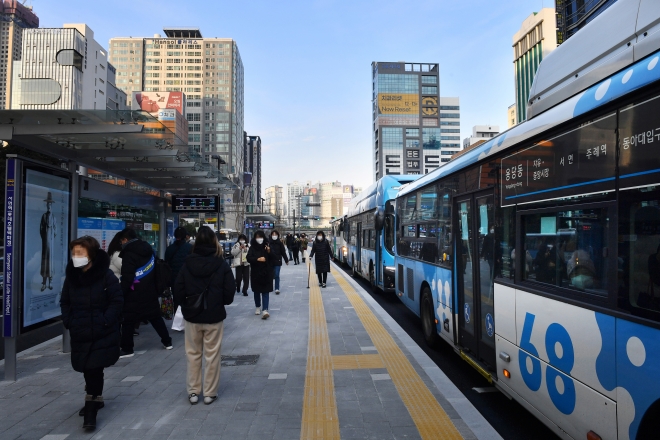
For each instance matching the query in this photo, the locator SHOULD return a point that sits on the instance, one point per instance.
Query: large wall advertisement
(152, 102)
(398, 104)
(45, 252)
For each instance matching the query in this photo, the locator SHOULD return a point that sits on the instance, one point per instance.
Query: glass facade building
(407, 119)
(573, 15)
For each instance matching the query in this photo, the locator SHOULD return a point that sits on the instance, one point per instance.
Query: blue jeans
(259, 297)
(276, 276)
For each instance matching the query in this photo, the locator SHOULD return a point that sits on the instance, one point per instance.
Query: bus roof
(366, 200)
(629, 79)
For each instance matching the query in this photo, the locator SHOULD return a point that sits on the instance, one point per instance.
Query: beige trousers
(203, 339)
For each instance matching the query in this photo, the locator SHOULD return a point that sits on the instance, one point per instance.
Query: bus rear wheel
(428, 319)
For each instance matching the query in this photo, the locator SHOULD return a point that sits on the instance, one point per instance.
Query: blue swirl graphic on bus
(490, 325)
(532, 378)
(638, 75)
(558, 339)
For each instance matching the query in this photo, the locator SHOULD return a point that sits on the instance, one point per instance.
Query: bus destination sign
(195, 203)
(580, 161)
(639, 134)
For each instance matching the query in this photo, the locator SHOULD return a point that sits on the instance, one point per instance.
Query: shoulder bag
(195, 304)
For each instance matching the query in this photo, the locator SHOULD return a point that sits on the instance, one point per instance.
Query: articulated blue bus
(367, 232)
(536, 255)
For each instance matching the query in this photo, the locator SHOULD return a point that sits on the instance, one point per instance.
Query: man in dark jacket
(176, 253)
(278, 252)
(138, 282)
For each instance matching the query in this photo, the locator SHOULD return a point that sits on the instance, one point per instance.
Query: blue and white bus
(368, 231)
(337, 240)
(537, 254)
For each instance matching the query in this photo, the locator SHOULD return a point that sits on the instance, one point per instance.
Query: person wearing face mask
(261, 258)
(321, 249)
(278, 251)
(239, 251)
(138, 282)
(91, 304)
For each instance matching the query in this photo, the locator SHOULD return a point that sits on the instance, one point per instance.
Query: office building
(63, 69)
(252, 174)
(481, 133)
(573, 15)
(535, 39)
(450, 133)
(210, 73)
(294, 191)
(405, 118)
(14, 18)
(511, 115)
(274, 201)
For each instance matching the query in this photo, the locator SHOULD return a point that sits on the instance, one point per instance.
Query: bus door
(358, 249)
(475, 266)
(378, 258)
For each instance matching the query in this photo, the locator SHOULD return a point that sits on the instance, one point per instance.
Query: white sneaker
(277, 292)
(258, 311)
(265, 315)
(193, 398)
(209, 400)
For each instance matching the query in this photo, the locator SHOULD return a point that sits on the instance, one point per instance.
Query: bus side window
(638, 262)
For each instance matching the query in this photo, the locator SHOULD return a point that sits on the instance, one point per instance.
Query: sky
(308, 65)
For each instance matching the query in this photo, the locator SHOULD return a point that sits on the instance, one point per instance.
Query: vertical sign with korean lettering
(639, 126)
(8, 327)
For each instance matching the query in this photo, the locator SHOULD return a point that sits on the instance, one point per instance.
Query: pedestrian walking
(239, 251)
(91, 304)
(114, 249)
(176, 253)
(261, 274)
(205, 272)
(303, 246)
(296, 249)
(321, 248)
(278, 253)
(287, 240)
(138, 282)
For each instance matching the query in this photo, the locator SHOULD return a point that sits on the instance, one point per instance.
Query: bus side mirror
(379, 219)
(341, 226)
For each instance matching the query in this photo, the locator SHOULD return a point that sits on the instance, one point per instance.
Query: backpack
(163, 277)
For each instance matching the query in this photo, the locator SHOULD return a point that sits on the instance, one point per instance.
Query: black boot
(99, 405)
(91, 408)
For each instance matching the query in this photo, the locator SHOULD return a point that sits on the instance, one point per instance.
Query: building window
(428, 79)
(398, 83)
(430, 90)
(449, 107)
(412, 132)
(450, 115)
(429, 122)
(431, 138)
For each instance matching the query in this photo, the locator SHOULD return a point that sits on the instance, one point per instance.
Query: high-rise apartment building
(573, 15)
(14, 17)
(64, 69)
(274, 201)
(210, 73)
(536, 38)
(294, 192)
(405, 118)
(481, 133)
(252, 166)
(511, 115)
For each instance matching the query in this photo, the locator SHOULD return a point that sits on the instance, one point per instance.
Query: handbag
(178, 324)
(195, 304)
(167, 307)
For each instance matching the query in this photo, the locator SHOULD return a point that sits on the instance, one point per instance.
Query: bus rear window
(568, 249)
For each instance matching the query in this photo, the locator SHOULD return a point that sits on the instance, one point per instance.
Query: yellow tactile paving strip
(357, 361)
(319, 415)
(431, 420)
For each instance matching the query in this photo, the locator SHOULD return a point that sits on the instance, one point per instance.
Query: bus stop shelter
(132, 147)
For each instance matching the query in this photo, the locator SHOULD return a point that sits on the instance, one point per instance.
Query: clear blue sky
(308, 64)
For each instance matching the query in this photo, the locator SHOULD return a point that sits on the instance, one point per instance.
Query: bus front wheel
(428, 318)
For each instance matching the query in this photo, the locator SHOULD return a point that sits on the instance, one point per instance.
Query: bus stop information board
(580, 161)
(195, 203)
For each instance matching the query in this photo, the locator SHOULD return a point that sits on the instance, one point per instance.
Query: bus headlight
(344, 250)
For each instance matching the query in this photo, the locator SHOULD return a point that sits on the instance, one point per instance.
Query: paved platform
(328, 364)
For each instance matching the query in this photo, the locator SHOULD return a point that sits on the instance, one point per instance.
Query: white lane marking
(274, 376)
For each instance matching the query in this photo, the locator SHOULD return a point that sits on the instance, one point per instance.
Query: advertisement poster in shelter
(45, 252)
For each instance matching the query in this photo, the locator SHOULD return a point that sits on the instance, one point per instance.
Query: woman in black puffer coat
(321, 248)
(261, 261)
(91, 303)
(205, 270)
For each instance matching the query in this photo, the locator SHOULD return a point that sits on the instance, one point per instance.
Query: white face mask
(242, 241)
(80, 261)
(319, 237)
(274, 237)
(260, 240)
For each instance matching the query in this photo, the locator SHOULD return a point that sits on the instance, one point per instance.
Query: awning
(123, 143)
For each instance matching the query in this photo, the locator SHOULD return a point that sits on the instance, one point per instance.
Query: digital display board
(581, 161)
(639, 134)
(195, 203)
(265, 225)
